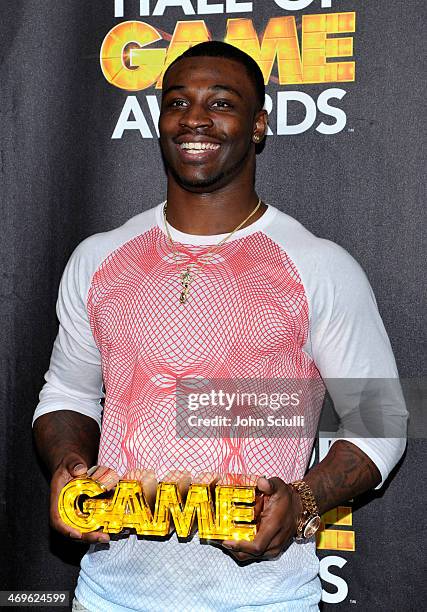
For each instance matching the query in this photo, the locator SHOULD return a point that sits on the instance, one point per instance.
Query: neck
(207, 214)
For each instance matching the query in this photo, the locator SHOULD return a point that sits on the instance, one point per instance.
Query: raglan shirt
(272, 302)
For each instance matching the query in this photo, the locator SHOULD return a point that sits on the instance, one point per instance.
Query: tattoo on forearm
(345, 472)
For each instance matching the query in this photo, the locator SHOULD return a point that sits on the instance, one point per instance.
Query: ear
(260, 126)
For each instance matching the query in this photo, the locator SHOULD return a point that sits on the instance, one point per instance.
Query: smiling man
(215, 284)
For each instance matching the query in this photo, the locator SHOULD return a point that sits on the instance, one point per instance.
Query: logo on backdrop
(298, 53)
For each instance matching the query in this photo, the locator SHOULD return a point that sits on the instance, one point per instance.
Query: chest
(246, 299)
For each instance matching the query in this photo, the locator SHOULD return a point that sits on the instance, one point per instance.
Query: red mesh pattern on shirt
(246, 318)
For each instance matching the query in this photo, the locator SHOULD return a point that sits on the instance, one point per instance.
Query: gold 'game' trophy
(224, 506)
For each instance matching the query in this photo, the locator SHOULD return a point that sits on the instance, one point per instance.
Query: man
(215, 285)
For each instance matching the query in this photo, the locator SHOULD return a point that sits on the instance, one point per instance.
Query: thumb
(266, 485)
(76, 466)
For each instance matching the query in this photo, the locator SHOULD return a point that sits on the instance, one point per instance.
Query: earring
(256, 138)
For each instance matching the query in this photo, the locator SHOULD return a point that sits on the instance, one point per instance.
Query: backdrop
(79, 155)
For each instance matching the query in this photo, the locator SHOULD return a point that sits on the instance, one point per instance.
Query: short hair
(217, 48)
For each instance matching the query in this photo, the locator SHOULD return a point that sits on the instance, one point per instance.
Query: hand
(71, 466)
(278, 521)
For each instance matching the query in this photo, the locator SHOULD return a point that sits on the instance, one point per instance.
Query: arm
(353, 355)
(67, 441)
(65, 433)
(345, 472)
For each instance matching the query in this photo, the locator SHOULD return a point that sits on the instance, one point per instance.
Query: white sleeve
(352, 352)
(74, 378)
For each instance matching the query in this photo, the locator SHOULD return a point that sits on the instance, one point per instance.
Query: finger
(276, 546)
(182, 478)
(274, 549)
(267, 531)
(57, 523)
(184, 482)
(243, 556)
(93, 537)
(149, 485)
(268, 555)
(105, 476)
(96, 472)
(259, 506)
(59, 480)
(133, 474)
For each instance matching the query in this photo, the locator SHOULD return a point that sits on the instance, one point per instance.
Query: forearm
(344, 473)
(60, 433)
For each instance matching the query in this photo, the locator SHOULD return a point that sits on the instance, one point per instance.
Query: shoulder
(99, 246)
(92, 251)
(317, 260)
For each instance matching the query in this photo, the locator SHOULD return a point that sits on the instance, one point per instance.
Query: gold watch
(310, 520)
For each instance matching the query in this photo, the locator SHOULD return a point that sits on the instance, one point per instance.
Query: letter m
(280, 40)
(197, 502)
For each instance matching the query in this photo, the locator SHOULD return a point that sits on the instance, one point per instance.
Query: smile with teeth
(196, 147)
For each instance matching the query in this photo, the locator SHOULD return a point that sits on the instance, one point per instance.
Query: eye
(222, 104)
(177, 103)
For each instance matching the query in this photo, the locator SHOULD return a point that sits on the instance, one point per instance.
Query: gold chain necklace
(188, 276)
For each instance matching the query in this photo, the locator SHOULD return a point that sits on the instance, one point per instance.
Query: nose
(196, 116)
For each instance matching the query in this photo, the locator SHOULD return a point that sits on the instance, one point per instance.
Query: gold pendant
(186, 279)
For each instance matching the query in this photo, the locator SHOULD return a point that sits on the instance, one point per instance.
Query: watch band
(310, 520)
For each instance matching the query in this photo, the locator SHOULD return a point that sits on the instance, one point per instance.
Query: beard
(205, 183)
(211, 181)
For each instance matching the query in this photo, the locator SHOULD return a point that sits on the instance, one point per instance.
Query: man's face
(207, 120)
